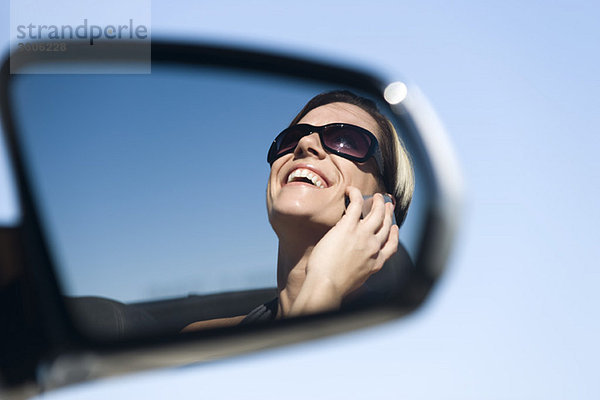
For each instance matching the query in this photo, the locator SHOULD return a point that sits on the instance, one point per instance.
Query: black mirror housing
(42, 317)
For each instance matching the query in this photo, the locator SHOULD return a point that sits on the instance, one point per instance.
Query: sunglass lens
(347, 140)
(289, 139)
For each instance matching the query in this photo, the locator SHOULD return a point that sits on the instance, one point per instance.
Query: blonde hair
(403, 178)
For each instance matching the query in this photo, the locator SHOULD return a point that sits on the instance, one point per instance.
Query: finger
(374, 220)
(383, 233)
(354, 208)
(391, 245)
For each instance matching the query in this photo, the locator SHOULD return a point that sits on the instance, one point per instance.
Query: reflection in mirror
(151, 191)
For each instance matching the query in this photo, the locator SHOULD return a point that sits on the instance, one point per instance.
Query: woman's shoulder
(264, 312)
(213, 323)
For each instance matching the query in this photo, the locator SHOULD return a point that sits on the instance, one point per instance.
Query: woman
(338, 148)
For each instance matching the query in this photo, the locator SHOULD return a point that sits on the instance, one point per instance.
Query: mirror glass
(151, 188)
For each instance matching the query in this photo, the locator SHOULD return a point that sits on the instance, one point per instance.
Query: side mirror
(142, 205)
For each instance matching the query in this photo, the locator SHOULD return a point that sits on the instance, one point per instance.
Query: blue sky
(516, 85)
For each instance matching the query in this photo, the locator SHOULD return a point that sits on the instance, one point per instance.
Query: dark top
(263, 313)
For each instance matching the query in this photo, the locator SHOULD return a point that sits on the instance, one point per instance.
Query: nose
(310, 145)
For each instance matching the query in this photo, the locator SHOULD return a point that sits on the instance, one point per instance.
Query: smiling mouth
(303, 175)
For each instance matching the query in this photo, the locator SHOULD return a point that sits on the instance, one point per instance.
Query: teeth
(305, 173)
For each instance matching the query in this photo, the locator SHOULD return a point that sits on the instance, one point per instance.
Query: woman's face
(322, 204)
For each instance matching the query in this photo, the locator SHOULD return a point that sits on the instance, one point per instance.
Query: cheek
(362, 179)
(270, 186)
(367, 185)
(274, 172)
(272, 181)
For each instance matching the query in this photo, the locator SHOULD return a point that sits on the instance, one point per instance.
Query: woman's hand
(347, 255)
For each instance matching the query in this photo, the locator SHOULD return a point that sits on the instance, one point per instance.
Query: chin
(296, 210)
(303, 204)
(301, 214)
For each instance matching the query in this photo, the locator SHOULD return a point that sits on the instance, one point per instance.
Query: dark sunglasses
(345, 140)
